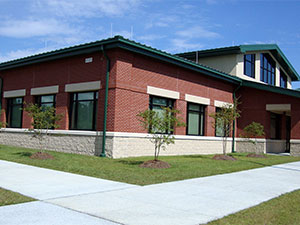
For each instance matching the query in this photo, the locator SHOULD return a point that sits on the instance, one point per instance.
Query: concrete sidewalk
(187, 202)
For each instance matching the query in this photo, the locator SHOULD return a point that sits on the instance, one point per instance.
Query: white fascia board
(162, 92)
(44, 90)
(221, 103)
(278, 107)
(197, 99)
(14, 93)
(84, 86)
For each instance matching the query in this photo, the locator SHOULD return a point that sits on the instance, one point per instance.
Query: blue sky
(32, 26)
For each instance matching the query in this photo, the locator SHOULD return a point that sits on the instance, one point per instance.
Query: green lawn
(284, 210)
(10, 197)
(128, 170)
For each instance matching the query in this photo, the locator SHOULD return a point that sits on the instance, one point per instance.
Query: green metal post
(105, 102)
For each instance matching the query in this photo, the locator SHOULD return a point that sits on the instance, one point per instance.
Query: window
(157, 103)
(83, 110)
(249, 65)
(195, 119)
(275, 126)
(283, 79)
(14, 112)
(219, 126)
(267, 69)
(46, 100)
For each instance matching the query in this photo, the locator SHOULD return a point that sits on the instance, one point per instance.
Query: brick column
(209, 130)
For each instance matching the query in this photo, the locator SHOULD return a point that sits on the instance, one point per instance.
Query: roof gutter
(105, 101)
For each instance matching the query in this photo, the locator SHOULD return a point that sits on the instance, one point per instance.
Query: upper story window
(14, 112)
(249, 65)
(195, 119)
(83, 111)
(157, 103)
(267, 69)
(283, 79)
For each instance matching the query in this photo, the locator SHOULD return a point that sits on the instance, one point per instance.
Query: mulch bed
(41, 155)
(253, 155)
(156, 164)
(224, 157)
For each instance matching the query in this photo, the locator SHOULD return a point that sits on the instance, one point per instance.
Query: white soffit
(221, 103)
(162, 92)
(84, 86)
(197, 99)
(14, 93)
(44, 90)
(278, 107)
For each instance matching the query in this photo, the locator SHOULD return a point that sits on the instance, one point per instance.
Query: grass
(278, 211)
(10, 197)
(128, 170)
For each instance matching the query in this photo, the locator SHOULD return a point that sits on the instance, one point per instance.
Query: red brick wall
(57, 72)
(253, 107)
(130, 74)
(136, 72)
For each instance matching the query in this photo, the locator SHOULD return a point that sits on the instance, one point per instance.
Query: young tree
(44, 118)
(223, 120)
(160, 125)
(253, 130)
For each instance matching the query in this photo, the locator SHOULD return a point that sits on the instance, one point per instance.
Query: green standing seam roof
(120, 42)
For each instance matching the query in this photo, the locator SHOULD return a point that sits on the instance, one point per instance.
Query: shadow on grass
(24, 154)
(131, 163)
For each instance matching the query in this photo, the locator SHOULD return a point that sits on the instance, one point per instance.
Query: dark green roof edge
(118, 41)
(274, 89)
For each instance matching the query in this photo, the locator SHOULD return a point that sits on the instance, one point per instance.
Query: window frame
(201, 112)
(9, 111)
(252, 63)
(95, 105)
(38, 100)
(283, 79)
(170, 104)
(266, 61)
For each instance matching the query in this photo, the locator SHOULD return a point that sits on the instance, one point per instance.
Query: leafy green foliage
(223, 120)
(44, 118)
(253, 130)
(160, 125)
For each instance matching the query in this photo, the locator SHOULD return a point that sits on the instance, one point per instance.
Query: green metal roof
(120, 42)
(272, 48)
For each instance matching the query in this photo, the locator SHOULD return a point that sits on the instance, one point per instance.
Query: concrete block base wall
(295, 147)
(118, 145)
(262, 146)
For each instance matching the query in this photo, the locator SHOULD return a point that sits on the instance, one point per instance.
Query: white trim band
(44, 90)
(221, 103)
(162, 92)
(197, 99)
(278, 107)
(84, 86)
(14, 93)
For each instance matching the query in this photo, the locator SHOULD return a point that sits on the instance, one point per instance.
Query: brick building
(74, 81)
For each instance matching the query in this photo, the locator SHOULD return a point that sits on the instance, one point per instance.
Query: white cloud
(34, 28)
(197, 32)
(22, 53)
(180, 45)
(86, 8)
(150, 37)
